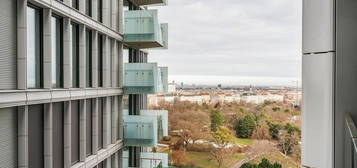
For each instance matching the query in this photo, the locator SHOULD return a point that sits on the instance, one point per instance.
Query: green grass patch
(243, 142)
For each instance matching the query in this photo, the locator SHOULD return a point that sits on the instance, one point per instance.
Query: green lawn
(243, 142)
(203, 159)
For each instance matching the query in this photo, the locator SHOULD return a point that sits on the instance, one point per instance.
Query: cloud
(235, 38)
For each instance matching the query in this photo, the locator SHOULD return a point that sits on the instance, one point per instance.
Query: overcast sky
(232, 42)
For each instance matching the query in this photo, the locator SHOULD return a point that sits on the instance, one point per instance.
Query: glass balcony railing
(148, 160)
(163, 121)
(145, 78)
(139, 130)
(142, 29)
(147, 2)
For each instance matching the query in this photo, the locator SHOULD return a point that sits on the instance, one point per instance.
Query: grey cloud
(232, 38)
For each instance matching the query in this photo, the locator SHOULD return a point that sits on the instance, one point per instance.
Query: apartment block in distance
(329, 77)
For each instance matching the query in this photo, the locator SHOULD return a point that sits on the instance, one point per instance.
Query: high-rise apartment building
(62, 83)
(329, 84)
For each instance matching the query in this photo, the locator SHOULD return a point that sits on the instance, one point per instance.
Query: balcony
(145, 129)
(147, 2)
(148, 160)
(145, 78)
(140, 130)
(142, 30)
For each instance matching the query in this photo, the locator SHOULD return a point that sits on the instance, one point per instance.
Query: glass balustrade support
(142, 29)
(145, 78)
(148, 160)
(140, 131)
(148, 2)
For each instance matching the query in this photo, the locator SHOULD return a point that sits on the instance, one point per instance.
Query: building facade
(329, 83)
(61, 82)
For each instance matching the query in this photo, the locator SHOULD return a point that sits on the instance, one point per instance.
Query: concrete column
(95, 9)
(120, 117)
(48, 135)
(67, 134)
(114, 63)
(114, 119)
(23, 137)
(95, 126)
(82, 130)
(116, 161)
(67, 53)
(82, 56)
(108, 163)
(95, 59)
(121, 64)
(106, 17)
(106, 123)
(120, 17)
(47, 48)
(21, 44)
(82, 6)
(114, 14)
(106, 66)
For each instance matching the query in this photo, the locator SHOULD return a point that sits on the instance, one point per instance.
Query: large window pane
(75, 131)
(35, 136)
(88, 58)
(57, 127)
(74, 61)
(75, 4)
(56, 52)
(88, 7)
(100, 10)
(33, 48)
(100, 60)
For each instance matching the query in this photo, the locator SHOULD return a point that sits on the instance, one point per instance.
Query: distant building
(172, 88)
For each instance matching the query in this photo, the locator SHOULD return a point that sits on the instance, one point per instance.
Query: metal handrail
(351, 142)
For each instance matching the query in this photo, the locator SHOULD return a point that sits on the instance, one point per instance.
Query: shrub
(245, 127)
(265, 163)
(274, 130)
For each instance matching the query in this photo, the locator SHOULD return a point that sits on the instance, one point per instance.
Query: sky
(232, 42)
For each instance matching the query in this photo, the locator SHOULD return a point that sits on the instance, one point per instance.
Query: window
(57, 48)
(34, 43)
(100, 60)
(88, 7)
(57, 127)
(35, 136)
(74, 61)
(75, 132)
(88, 58)
(100, 11)
(89, 127)
(75, 4)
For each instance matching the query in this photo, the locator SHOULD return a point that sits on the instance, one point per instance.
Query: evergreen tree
(217, 120)
(245, 127)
